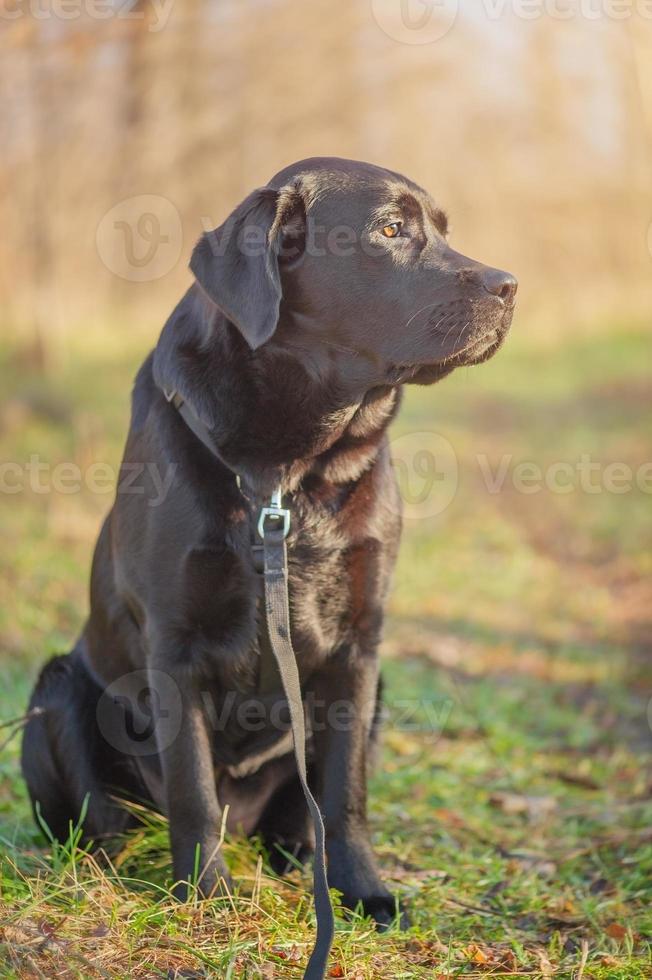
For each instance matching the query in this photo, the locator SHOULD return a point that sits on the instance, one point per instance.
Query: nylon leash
(277, 609)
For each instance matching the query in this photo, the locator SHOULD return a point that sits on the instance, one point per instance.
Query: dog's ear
(237, 264)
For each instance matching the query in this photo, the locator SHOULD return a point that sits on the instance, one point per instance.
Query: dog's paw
(386, 912)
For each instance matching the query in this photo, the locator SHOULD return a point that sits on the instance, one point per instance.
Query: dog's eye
(393, 230)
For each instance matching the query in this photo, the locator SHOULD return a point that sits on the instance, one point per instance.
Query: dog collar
(273, 511)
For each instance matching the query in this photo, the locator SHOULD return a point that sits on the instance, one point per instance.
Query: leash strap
(278, 625)
(273, 527)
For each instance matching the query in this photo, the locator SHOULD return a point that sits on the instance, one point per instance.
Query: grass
(512, 803)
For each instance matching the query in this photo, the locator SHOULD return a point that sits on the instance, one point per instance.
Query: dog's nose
(500, 284)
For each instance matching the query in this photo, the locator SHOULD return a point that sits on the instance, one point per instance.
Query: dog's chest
(247, 704)
(337, 575)
(320, 601)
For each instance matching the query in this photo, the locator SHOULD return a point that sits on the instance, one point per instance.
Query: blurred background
(522, 607)
(534, 131)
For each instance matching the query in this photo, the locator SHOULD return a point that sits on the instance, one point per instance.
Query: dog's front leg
(345, 700)
(194, 814)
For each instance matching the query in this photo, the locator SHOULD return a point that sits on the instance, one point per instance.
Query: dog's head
(351, 259)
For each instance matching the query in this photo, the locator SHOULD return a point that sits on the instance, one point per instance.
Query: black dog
(323, 293)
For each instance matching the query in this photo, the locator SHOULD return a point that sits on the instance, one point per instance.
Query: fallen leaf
(508, 959)
(336, 971)
(476, 955)
(564, 909)
(574, 779)
(449, 817)
(533, 863)
(535, 808)
(426, 952)
(615, 931)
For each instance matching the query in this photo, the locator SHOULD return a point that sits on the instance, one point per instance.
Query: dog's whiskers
(422, 310)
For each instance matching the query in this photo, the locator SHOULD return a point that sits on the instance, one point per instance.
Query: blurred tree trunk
(133, 83)
(42, 177)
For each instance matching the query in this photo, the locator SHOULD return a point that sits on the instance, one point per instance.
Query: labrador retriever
(322, 295)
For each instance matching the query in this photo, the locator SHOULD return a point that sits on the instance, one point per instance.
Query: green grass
(511, 807)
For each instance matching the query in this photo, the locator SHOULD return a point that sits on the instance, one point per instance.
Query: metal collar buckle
(274, 512)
